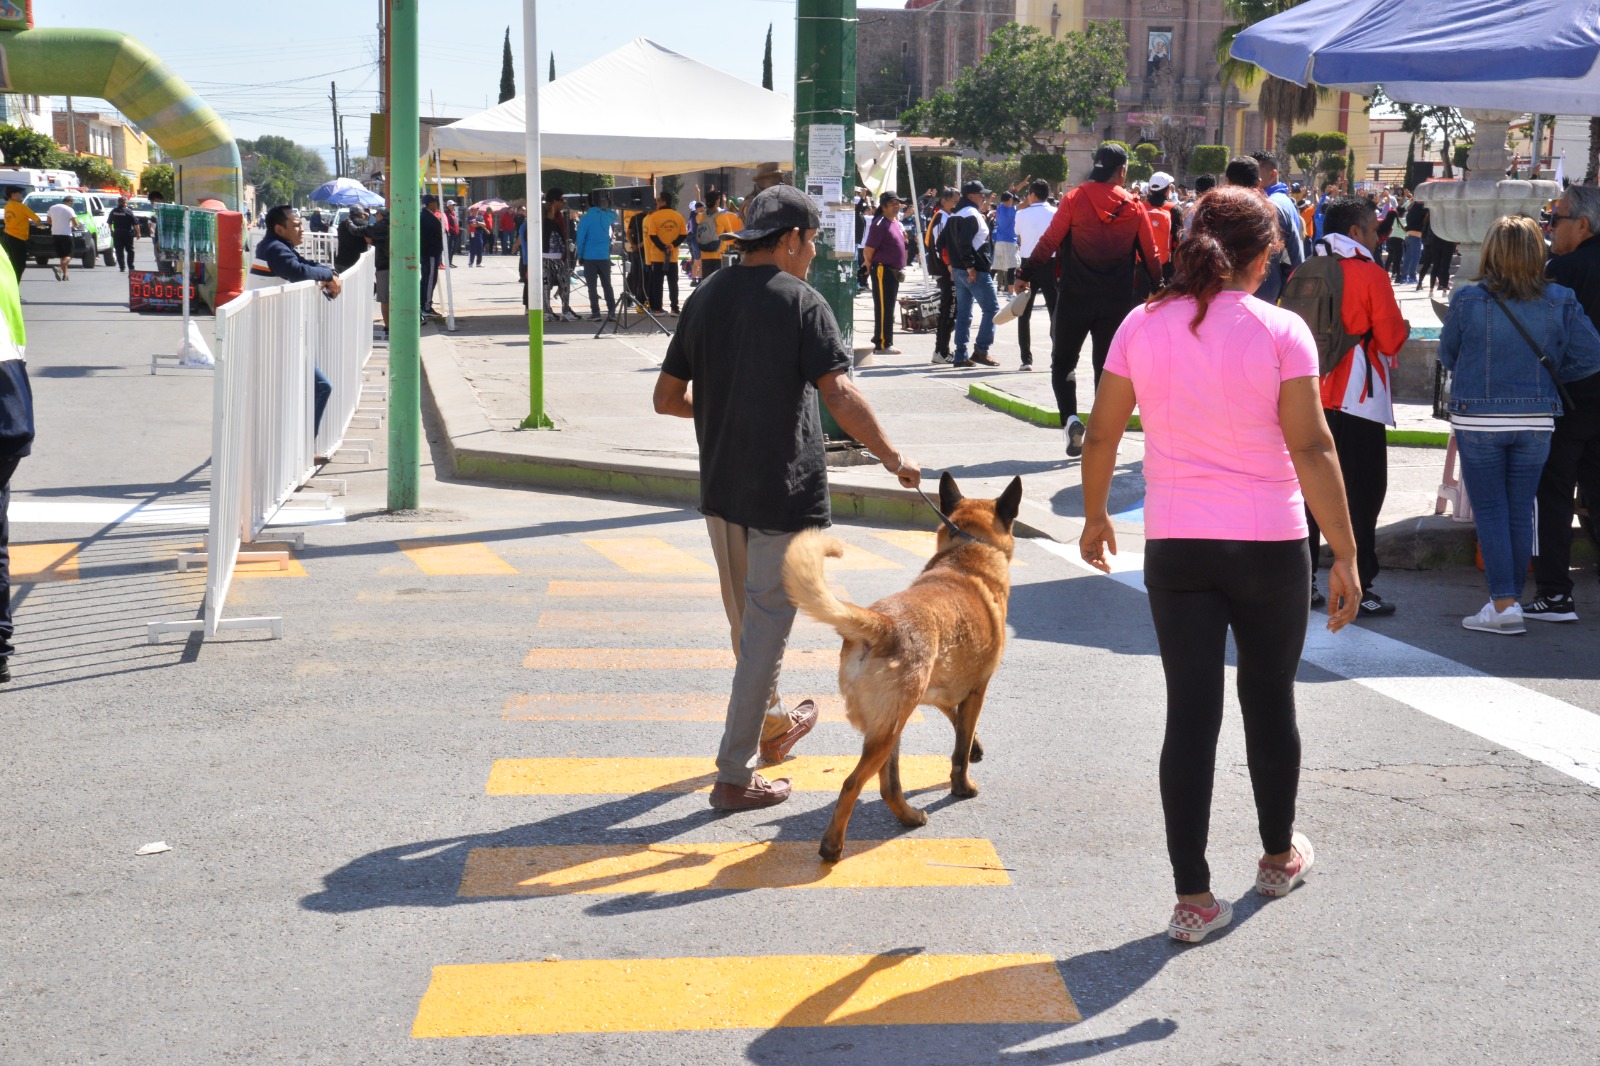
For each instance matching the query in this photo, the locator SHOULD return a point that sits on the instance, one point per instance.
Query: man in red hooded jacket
(1104, 236)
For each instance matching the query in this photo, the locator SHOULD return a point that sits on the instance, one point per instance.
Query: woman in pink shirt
(1236, 448)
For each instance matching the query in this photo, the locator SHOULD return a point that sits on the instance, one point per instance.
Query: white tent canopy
(624, 114)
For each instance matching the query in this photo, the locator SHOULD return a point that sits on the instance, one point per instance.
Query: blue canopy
(1513, 55)
(346, 191)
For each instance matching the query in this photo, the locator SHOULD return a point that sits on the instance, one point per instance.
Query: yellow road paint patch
(270, 569)
(589, 869)
(648, 590)
(664, 659)
(919, 542)
(629, 707)
(35, 563)
(762, 992)
(597, 777)
(455, 560)
(706, 621)
(649, 555)
(856, 558)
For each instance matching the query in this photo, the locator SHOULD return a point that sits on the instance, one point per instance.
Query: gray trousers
(750, 568)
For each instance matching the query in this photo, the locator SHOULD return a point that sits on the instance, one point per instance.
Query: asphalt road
(410, 818)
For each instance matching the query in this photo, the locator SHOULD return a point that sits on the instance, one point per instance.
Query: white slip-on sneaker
(1507, 623)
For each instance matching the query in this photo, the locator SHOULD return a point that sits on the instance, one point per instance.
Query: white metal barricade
(343, 345)
(318, 247)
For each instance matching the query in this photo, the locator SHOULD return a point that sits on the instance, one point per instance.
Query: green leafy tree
(508, 76)
(1304, 153)
(1284, 102)
(25, 148)
(1428, 122)
(1208, 159)
(1051, 166)
(552, 76)
(1027, 86)
(158, 178)
(290, 172)
(766, 61)
(1142, 163)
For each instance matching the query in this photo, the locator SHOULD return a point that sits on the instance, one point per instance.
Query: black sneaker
(5, 671)
(1552, 609)
(1374, 606)
(1075, 431)
(1317, 598)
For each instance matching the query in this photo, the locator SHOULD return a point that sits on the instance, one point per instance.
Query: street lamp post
(533, 247)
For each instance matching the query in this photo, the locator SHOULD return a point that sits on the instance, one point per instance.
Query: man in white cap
(1166, 222)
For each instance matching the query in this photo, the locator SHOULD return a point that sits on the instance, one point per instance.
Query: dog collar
(951, 526)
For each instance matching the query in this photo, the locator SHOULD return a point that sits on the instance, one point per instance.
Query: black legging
(1198, 590)
(17, 251)
(1076, 321)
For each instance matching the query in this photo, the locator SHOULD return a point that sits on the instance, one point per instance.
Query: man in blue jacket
(276, 262)
(594, 253)
(16, 440)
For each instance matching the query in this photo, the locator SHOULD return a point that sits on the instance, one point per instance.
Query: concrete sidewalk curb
(540, 458)
(1016, 406)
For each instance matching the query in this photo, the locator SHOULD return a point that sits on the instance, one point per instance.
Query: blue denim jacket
(1495, 371)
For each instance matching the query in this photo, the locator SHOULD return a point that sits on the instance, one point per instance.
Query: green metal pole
(405, 288)
(825, 148)
(534, 247)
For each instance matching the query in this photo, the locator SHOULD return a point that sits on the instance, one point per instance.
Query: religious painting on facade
(1158, 46)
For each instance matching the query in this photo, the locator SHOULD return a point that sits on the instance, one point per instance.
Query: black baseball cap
(775, 209)
(973, 186)
(1108, 159)
(890, 197)
(430, 199)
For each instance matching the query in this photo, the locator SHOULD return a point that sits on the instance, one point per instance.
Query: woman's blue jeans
(1412, 259)
(1501, 471)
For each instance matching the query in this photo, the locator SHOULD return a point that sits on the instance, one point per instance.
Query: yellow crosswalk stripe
(593, 777)
(616, 590)
(291, 568)
(649, 555)
(664, 659)
(450, 559)
(857, 558)
(761, 992)
(35, 563)
(588, 869)
(917, 541)
(641, 707)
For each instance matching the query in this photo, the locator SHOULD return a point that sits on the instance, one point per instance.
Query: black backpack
(1315, 292)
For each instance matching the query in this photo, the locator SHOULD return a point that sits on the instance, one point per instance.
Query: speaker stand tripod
(619, 320)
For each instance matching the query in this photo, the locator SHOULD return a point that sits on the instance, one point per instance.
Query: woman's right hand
(1098, 538)
(1344, 594)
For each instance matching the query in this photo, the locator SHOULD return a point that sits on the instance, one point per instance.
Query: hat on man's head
(889, 197)
(973, 186)
(1108, 159)
(775, 209)
(430, 199)
(1160, 180)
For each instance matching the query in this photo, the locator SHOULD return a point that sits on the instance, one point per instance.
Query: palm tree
(1284, 102)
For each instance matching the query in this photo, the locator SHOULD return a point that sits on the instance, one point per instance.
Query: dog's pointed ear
(949, 495)
(1010, 501)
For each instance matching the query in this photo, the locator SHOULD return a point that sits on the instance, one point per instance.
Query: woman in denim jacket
(1503, 401)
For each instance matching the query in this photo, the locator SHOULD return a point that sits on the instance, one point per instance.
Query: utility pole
(405, 290)
(333, 97)
(72, 128)
(824, 150)
(530, 81)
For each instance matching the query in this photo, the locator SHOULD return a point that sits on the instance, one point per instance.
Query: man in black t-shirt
(759, 344)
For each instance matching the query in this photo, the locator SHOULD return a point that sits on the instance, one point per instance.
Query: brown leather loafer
(984, 358)
(801, 720)
(759, 793)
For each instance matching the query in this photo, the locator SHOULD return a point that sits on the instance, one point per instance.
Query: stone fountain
(1462, 210)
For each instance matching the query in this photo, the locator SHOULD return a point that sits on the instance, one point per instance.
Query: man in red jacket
(1357, 399)
(1105, 237)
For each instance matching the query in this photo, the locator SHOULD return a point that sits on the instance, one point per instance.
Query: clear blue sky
(270, 73)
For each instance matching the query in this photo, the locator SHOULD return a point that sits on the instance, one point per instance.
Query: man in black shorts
(759, 344)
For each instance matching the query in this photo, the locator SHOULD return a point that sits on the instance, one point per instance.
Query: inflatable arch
(119, 69)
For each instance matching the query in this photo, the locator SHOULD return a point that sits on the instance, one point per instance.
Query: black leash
(951, 526)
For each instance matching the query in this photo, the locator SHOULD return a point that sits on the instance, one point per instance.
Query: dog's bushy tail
(808, 589)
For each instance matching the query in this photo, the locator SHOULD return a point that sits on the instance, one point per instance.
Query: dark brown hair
(1232, 226)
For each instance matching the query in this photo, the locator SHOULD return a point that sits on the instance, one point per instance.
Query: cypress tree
(552, 76)
(766, 61)
(508, 80)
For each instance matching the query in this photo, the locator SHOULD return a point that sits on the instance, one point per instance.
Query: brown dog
(937, 643)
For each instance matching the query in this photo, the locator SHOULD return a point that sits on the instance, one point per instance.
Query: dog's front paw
(913, 818)
(963, 787)
(831, 850)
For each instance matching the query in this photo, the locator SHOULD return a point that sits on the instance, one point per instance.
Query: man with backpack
(712, 223)
(1346, 299)
(970, 253)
